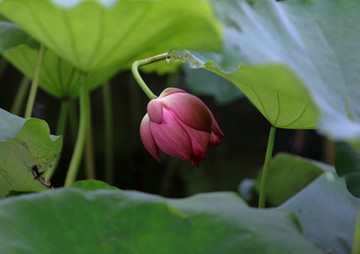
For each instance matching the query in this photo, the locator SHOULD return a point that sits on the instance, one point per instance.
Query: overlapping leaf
(23, 146)
(285, 45)
(57, 77)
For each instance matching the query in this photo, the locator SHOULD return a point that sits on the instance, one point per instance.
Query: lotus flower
(180, 125)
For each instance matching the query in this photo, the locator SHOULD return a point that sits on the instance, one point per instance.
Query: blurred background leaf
(288, 174)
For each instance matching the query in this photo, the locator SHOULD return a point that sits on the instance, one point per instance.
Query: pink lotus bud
(180, 125)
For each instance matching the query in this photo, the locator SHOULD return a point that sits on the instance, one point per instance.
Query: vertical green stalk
(82, 131)
(135, 66)
(3, 65)
(20, 96)
(60, 130)
(109, 133)
(89, 155)
(356, 243)
(265, 171)
(35, 83)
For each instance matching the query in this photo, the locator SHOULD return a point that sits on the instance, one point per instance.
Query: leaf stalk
(265, 171)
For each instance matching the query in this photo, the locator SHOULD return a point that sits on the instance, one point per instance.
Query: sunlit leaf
(24, 144)
(110, 221)
(93, 35)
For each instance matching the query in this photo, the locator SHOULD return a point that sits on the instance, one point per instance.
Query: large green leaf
(93, 35)
(314, 44)
(347, 164)
(24, 144)
(288, 174)
(327, 212)
(108, 221)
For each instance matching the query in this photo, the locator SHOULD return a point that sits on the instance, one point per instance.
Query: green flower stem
(82, 132)
(35, 83)
(60, 130)
(265, 171)
(356, 244)
(109, 133)
(89, 155)
(20, 96)
(135, 66)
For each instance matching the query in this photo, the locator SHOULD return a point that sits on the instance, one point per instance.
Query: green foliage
(108, 221)
(347, 164)
(288, 174)
(24, 144)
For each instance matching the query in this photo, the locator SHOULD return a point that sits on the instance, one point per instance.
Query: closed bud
(179, 124)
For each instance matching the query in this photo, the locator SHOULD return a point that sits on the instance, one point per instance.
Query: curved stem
(140, 81)
(20, 96)
(109, 134)
(60, 130)
(356, 243)
(35, 83)
(82, 131)
(265, 171)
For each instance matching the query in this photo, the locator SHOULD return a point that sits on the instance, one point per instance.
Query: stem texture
(81, 136)
(135, 66)
(265, 171)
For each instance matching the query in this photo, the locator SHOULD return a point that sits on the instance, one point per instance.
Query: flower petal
(195, 160)
(171, 137)
(190, 110)
(155, 110)
(147, 138)
(199, 140)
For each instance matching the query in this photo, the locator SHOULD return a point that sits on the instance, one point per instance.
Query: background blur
(239, 156)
